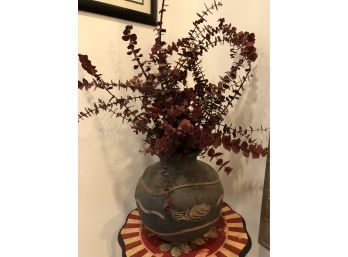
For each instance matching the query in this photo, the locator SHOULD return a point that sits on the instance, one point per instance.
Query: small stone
(205, 234)
(212, 234)
(198, 241)
(176, 251)
(165, 247)
(185, 248)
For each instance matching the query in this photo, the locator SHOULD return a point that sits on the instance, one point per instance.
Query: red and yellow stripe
(235, 237)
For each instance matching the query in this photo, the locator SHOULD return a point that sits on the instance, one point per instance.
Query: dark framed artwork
(142, 11)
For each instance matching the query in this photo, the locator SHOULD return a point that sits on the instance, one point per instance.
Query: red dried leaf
(255, 155)
(234, 133)
(236, 148)
(219, 161)
(174, 47)
(235, 145)
(264, 152)
(246, 154)
(168, 129)
(228, 170)
(80, 85)
(253, 56)
(224, 164)
(87, 65)
(169, 99)
(125, 38)
(252, 148)
(211, 152)
(217, 141)
(217, 154)
(244, 146)
(174, 111)
(133, 37)
(186, 126)
(226, 142)
(235, 141)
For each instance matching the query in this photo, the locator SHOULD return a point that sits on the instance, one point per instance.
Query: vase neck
(186, 159)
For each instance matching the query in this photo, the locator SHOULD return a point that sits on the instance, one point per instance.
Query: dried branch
(178, 118)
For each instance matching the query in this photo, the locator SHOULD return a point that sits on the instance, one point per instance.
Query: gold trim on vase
(220, 200)
(217, 181)
(184, 230)
(149, 211)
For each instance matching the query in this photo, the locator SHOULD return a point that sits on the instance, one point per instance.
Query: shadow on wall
(243, 187)
(125, 165)
(119, 149)
(239, 184)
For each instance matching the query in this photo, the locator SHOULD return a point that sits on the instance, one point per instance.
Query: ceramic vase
(179, 200)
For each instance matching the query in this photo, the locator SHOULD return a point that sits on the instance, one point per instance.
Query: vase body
(195, 193)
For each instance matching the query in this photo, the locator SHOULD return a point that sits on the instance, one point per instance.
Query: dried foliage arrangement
(176, 117)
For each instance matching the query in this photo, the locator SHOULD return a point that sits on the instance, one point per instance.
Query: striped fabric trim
(233, 243)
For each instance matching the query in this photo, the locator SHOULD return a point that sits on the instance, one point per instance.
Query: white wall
(109, 162)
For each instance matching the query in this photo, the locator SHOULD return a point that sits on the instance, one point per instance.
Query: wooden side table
(228, 238)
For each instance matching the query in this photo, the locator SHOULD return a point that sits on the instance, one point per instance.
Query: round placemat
(228, 238)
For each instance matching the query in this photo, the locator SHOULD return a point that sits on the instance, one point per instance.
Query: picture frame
(126, 9)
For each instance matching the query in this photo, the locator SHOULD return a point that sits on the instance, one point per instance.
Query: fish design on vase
(196, 212)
